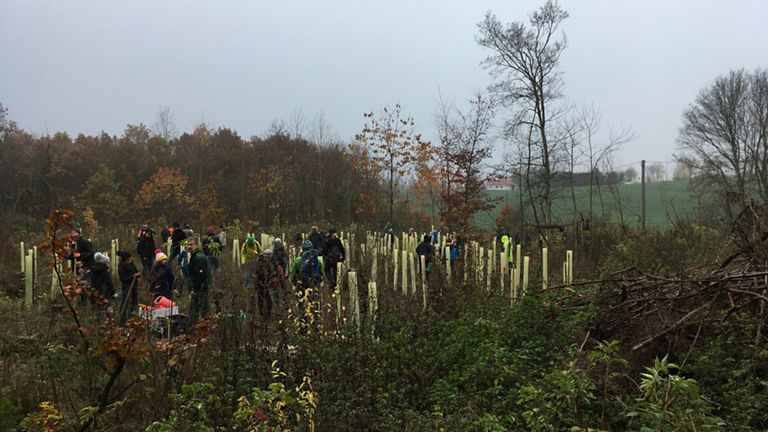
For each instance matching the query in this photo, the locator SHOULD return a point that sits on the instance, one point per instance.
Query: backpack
(310, 268)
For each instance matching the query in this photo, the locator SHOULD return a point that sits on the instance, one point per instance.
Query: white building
(500, 185)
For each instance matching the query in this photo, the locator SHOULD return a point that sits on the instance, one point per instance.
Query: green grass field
(664, 202)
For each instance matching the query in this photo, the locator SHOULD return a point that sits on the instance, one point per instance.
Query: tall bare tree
(165, 125)
(525, 60)
(724, 138)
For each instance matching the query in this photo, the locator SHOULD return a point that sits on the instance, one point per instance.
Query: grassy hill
(664, 201)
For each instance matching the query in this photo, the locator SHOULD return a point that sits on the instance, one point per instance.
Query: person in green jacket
(249, 253)
(198, 279)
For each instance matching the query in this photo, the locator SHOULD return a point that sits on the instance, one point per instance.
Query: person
(177, 235)
(146, 250)
(198, 279)
(334, 253)
(517, 237)
(80, 253)
(161, 277)
(212, 248)
(453, 251)
(249, 253)
(281, 256)
(182, 264)
(222, 236)
(141, 232)
(188, 230)
(411, 232)
(165, 234)
(129, 276)
(427, 250)
(102, 287)
(268, 278)
(316, 238)
(307, 273)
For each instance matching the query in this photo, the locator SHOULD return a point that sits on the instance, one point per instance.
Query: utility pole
(642, 193)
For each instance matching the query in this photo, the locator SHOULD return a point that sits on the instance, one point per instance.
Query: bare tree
(321, 132)
(525, 62)
(164, 125)
(725, 138)
(656, 172)
(630, 174)
(596, 151)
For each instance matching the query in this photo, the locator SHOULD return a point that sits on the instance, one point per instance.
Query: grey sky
(87, 66)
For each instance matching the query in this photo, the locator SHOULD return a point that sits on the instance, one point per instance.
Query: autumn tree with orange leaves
(387, 147)
(166, 192)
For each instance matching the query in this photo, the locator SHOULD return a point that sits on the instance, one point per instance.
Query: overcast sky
(88, 66)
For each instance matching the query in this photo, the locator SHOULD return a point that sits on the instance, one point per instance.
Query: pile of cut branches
(660, 314)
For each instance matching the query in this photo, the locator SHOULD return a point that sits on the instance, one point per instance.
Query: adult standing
(129, 276)
(177, 236)
(162, 278)
(281, 256)
(80, 253)
(249, 253)
(146, 250)
(198, 279)
(268, 278)
(333, 254)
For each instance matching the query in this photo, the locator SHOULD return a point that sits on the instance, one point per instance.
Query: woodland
(649, 330)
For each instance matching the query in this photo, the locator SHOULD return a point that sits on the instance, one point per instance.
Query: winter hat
(210, 230)
(306, 245)
(277, 240)
(101, 258)
(268, 252)
(250, 240)
(332, 231)
(160, 256)
(124, 254)
(158, 250)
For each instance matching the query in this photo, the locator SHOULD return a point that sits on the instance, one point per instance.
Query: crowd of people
(194, 260)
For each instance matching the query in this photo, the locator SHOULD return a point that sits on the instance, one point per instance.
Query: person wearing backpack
(212, 249)
(427, 250)
(334, 253)
(317, 239)
(307, 274)
(268, 278)
(198, 279)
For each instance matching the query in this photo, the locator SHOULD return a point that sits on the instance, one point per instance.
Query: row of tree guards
(386, 260)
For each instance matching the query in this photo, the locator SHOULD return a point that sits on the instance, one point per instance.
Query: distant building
(500, 185)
